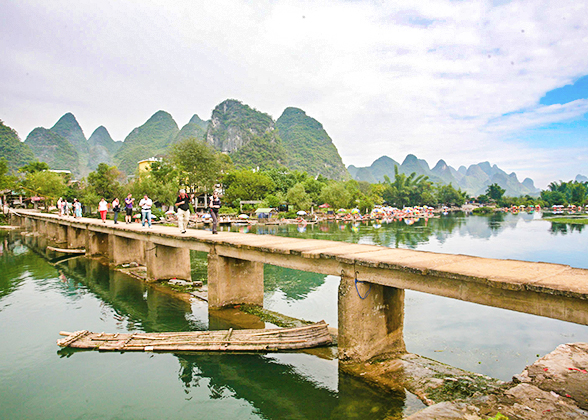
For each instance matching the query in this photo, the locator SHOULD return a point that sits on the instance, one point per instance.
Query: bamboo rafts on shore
(313, 335)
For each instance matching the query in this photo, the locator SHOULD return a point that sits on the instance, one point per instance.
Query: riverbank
(555, 387)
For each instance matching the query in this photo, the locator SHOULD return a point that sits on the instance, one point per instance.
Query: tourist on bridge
(60, 206)
(129, 201)
(183, 210)
(77, 208)
(103, 209)
(214, 206)
(116, 209)
(145, 205)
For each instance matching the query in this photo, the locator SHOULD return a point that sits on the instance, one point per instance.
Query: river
(37, 300)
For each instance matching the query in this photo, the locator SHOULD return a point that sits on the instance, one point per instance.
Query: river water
(37, 300)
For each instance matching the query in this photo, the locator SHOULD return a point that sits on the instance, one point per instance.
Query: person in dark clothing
(116, 209)
(183, 210)
(214, 206)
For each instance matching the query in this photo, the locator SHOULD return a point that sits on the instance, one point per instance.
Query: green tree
(245, 184)
(495, 192)
(448, 195)
(409, 190)
(35, 166)
(298, 197)
(336, 195)
(48, 185)
(104, 181)
(6, 181)
(199, 165)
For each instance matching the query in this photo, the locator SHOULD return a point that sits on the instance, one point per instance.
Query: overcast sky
(463, 81)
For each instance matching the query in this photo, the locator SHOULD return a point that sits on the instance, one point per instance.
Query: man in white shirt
(145, 205)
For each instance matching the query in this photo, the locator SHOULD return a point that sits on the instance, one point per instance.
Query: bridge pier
(61, 233)
(76, 238)
(233, 281)
(371, 326)
(97, 244)
(167, 262)
(125, 250)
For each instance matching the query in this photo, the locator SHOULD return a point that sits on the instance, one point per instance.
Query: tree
(48, 185)
(336, 195)
(104, 181)
(35, 166)
(6, 181)
(245, 184)
(409, 190)
(495, 192)
(198, 164)
(448, 195)
(298, 197)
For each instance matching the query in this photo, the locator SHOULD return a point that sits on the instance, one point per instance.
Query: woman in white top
(103, 209)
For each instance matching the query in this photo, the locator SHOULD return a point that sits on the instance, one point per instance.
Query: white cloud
(440, 79)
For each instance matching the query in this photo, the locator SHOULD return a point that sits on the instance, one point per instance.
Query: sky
(463, 81)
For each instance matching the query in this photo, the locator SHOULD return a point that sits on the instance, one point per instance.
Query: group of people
(66, 209)
(146, 203)
(183, 210)
(182, 205)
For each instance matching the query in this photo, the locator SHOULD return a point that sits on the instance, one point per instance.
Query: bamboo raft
(313, 335)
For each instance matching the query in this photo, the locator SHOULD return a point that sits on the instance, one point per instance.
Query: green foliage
(336, 195)
(34, 166)
(44, 184)
(12, 149)
(198, 164)
(565, 193)
(104, 182)
(273, 201)
(247, 185)
(495, 192)
(308, 145)
(264, 151)
(449, 196)
(409, 190)
(163, 192)
(298, 197)
(6, 181)
(498, 416)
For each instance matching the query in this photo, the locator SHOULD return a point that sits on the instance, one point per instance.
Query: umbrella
(324, 206)
(206, 216)
(342, 211)
(355, 211)
(170, 211)
(301, 213)
(243, 216)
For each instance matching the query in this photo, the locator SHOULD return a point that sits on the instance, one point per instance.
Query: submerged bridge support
(373, 278)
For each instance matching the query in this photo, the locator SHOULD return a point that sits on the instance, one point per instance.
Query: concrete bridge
(373, 278)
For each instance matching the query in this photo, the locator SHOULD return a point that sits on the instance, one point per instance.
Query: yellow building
(145, 165)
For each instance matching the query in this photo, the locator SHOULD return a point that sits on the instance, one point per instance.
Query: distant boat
(313, 335)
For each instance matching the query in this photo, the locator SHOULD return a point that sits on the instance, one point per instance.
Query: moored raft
(313, 335)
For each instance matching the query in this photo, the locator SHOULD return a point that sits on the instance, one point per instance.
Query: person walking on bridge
(145, 205)
(115, 209)
(103, 209)
(129, 201)
(214, 206)
(183, 210)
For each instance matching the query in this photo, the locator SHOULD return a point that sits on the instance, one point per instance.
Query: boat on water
(308, 336)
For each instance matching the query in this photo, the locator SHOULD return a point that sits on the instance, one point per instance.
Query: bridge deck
(553, 290)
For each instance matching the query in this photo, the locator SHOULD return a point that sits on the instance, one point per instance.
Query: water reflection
(83, 294)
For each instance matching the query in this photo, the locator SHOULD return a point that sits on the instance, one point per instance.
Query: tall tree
(198, 164)
(495, 192)
(105, 181)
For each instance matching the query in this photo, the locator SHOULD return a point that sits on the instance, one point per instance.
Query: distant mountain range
(251, 137)
(474, 180)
